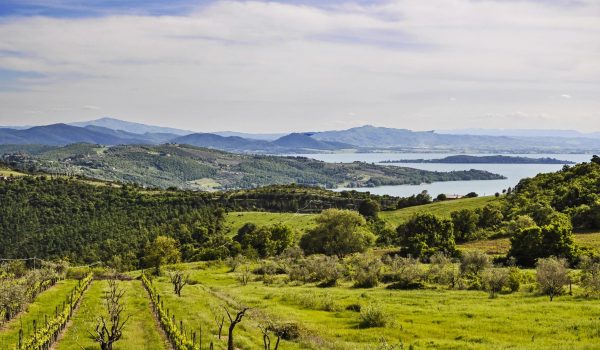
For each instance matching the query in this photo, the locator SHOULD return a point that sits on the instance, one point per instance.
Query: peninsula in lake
(498, 159)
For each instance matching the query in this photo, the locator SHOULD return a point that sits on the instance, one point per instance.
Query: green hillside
(190, 167)
(442, 209)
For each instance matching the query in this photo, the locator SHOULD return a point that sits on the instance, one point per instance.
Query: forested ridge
(60, 218)
(189, 167)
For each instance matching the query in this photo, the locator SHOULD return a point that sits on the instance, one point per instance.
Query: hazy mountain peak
(132, 127)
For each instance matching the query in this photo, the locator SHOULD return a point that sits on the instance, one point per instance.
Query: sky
(304, 65)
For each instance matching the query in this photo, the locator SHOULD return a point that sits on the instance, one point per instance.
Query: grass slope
(501, 246)
(140, 333)
(301, 222)
(235, 220)
(44, 304)
(425, 319)
(442, 209)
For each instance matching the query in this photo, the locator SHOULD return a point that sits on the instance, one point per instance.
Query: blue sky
(302, 65)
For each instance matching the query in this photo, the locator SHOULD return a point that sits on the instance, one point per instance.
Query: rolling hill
(64, 134)
(192, 167)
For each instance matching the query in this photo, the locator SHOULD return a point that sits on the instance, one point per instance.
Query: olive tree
(590, 274)
(494, 280)
(552, 276)
(474, 262)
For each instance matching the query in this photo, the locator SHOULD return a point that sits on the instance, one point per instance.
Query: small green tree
(553, 239)
(338, 232)
(162, 251)
(369, 209)
(494, 280)
(590, 274)
(474, 262)
(266, 240)
(552, 276)
(424, 234)
(465, 224)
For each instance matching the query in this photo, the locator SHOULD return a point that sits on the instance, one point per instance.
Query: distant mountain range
(521, 132)
(110, 131)
(131, 127)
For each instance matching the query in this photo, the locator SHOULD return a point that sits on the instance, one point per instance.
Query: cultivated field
(140, 333)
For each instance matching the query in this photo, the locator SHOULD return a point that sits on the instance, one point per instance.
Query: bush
(373, 316)
(514, 279)
(317, 268)
(442, 270)
(287, 330)
(406, 272)
(473, 262)
(365, 271)
(339, 233)
(425, 234)
(353, 307)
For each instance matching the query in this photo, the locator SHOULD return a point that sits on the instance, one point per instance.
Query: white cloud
(272, 67)
(567, 96)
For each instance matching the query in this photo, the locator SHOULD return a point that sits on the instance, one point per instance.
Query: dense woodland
(83, 223)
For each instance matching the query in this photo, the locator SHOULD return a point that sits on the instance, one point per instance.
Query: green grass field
(442, 209)
(501, 246)
(8, 172)
(301, 222)
(140, 333)
(423, 319)
(44, 304)
(235, 220)
(199, 304)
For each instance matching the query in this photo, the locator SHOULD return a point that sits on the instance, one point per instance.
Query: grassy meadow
(235, 220)
(434, 318)
(442, 209)
(500, 246)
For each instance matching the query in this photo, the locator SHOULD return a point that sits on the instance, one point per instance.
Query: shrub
(405, 272)
(514, 279)
(317, 268)
(365, 271)
(473, 262)
(373, 316)
(425, 234)
(353, 307)
(442, 270)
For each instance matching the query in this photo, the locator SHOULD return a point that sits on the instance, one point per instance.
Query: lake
(513, 172)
